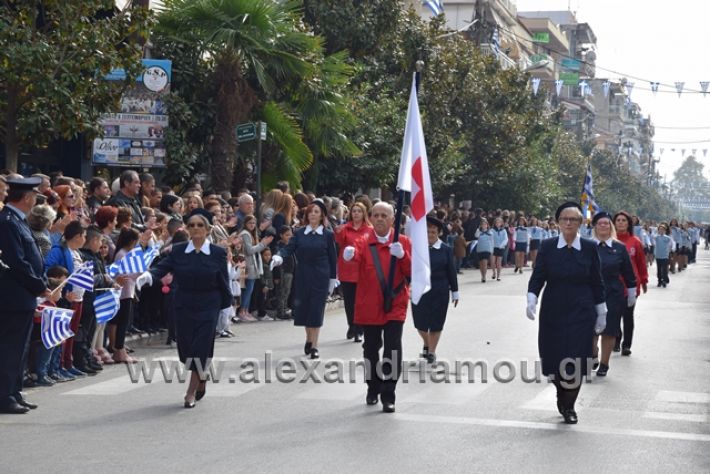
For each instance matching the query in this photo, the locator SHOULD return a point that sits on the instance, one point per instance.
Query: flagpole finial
(419, 65)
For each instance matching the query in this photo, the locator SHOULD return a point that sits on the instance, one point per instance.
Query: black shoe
(570, 416)
(23, 402)
(14, 409)
(200, 394)
(307, 348)
(189, 404)
(44, 381)
(315, 354)
(595, 365)
(659, 284)
(625, 351)
(617, 348)
(560, 408)
(430, 358)
(350, 334)
(388, 407)
(95, 366)
(357, 338)
(603, 369)
(371, 399)
(425, 351)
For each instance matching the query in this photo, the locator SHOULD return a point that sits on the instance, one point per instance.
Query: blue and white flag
(654, 87)
(535, 84)
(679, 87)
(132, 262)
(106, 305)
(83, 277)
(55, 326)
(704, 87)
(606, 85)
(150, 254)
(558, 85)
(436, 6)
(589, 205)
(495, 41)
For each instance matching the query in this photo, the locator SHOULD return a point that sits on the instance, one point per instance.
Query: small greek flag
(83, 277)
(55, 326)
(436, 6)
(106, 305)
(132, 262)
(150, 255)
(495, 41)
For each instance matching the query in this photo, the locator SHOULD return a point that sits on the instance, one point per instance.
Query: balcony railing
(504, 61)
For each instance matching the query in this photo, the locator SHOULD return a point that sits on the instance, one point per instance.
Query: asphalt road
(650, 414)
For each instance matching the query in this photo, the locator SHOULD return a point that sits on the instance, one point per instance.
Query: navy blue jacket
(19, 286)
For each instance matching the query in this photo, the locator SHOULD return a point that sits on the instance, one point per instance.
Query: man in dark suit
(20, 285)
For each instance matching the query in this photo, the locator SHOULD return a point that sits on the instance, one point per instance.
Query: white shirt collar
(437, 244)
(608, 241)
(577, 244)
(204, 249)
(318, 230)
(385, 239)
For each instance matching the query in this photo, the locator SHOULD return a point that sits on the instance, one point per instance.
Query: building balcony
(504, 61)
(542, 66)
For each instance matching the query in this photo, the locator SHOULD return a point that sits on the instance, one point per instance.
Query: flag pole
(419, 65)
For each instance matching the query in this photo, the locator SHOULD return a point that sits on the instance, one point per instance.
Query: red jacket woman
(638, 258)
(347, 236)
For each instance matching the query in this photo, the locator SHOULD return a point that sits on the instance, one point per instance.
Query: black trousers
(349, 288)
(384, 382)
(662, 270)
(15, 330)
(122, 320)
(628, 330)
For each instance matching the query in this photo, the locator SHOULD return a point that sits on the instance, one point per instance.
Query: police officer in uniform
(20, 285)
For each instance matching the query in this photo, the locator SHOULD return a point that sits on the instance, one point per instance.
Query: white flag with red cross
(414, 178)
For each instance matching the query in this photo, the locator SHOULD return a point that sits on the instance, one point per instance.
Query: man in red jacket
(377, 321)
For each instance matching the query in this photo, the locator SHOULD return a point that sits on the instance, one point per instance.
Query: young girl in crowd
(500, 244)
(484, 248)
(521, 238)
(662, 250)
(535, 239)
(254, 266)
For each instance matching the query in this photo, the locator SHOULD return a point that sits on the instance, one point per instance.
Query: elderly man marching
(382, 321)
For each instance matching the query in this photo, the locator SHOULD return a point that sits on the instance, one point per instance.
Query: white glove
(455, 298)
(333, 283)
(631, 297)
(348, 253)
(532, 306)
(601, 318)
(396, 250)
(276, 260)
(145, 278)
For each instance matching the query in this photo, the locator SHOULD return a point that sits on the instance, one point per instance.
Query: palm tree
(257, 46)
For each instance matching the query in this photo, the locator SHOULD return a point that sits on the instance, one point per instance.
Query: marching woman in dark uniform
(202, 289)
(573, 306)
(619, 284)
(314, 248)
(430, 314)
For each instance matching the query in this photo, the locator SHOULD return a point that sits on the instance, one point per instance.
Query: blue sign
(157, 74)
(571, 64)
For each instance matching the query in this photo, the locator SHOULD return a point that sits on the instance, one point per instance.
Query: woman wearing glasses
(573, 307)
(200, 272)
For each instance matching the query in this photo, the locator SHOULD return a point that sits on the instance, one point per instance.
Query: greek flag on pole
(436, 6)
(55, 326)
(589, 206)
(106, 305)
(132, 262)
(83, 277)
(150, 255)
(495, 41)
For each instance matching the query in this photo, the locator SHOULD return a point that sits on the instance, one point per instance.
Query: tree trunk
(235, 101)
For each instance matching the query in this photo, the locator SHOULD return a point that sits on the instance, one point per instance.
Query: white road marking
(532, 425)
(115, 386)
(658, 415)
(682, 397)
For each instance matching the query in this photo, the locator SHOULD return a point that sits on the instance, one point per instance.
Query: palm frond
(287, 133)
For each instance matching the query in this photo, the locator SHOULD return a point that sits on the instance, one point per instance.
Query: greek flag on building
(436, 6)
(132, 262)
(55, 326)
(106, 305)
(589, 205)
(83, 277)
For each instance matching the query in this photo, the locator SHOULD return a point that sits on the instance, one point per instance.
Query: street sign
(541, 37)
(246, 132)
(262, 131)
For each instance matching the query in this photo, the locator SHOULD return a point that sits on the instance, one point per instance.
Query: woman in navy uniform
(314, 248)
(573, 306)
(619, 283)
(430, 314)
(21, 282)
(202, 289)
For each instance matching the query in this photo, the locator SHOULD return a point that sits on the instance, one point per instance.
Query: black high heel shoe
(189, 404)
(199, 394)
(357, 338)
(307, 348)
(315, 354)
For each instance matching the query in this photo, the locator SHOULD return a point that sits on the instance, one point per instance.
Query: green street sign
(570, 78)
(246, 132)
(541, 37)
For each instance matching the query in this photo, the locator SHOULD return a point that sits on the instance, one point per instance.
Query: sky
(653, 41)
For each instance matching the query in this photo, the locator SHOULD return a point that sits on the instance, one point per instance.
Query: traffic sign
(246, 132)
(262, 130)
